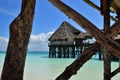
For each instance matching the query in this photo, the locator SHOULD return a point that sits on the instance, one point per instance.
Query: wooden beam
(113, 46)
(107, 61)
(98, 8)
(115, 29)
(92, 4)
(118, 69)
(118, 14)
(115, 72)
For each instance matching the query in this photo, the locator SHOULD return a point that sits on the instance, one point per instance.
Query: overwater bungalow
(68, 42)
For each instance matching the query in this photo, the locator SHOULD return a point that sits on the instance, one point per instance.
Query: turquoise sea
(39, 67)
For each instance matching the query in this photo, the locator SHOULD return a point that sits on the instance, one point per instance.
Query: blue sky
(47, 19)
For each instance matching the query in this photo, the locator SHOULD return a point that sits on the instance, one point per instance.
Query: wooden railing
(56, 43)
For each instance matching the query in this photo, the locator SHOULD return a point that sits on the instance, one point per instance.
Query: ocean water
(39, 67)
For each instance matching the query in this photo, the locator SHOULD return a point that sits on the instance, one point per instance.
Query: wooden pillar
(49, 51)
(118, 16)
(55, 51)
(59, 52)
(64, 52)
(100, 54)
(118, 69)
(81, 46)
(68, 52)
(107, 62)
(73, 52)
(52, 52)
(77, 50)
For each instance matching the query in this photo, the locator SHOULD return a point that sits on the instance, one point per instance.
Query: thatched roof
(83, 35)
(65, 31)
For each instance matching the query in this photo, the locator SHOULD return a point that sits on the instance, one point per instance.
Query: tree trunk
(20, 30)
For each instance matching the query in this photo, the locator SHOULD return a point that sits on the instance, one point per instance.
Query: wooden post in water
(118, 16)
(107, 62)
(118, 69)
(68, 52)
(64, 52)
(59, 52)
(73, 51)
(100, 53)
(49, 51)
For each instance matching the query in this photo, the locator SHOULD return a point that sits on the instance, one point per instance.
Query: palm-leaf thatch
(65, 31)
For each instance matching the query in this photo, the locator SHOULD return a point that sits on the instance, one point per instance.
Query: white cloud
(37, 42)
(3, 43)
(40, 37)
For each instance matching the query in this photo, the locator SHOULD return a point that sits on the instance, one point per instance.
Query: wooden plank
(115, 72)
(118, 69)
(92, 4)
(98, 8)
(107, 61)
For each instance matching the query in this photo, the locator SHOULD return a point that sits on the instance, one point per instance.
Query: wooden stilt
(107, 62)
(107, 65)
(98, 8)
(118, 69)
(64, 53)
(68, 52)
(81, 47)
(59, 52)
(73, 52)
(100, 54)
(118, 16)
(49, 52)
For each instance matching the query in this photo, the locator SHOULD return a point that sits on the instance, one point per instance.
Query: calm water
(40, 67)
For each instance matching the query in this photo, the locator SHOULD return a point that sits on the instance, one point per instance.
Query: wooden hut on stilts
(68, 42)
(104, 39)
